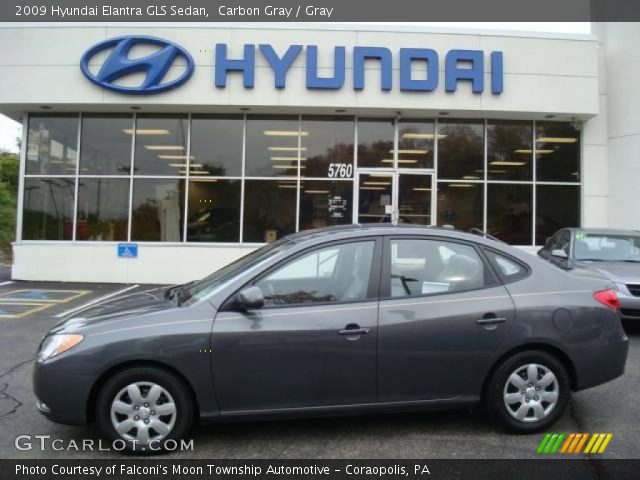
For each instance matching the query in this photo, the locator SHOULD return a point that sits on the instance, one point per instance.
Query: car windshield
(607, 248)
(202, 288)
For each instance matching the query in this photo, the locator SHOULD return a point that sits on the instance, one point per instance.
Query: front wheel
(528, 392)
(142, 408)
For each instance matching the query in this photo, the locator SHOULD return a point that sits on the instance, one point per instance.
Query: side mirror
(543, 252)
(250, 298)
(559, 253)
(547, 242)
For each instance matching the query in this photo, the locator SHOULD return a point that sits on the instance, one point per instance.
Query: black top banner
(317, 10)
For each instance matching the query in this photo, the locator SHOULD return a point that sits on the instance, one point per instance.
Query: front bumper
(60, 396)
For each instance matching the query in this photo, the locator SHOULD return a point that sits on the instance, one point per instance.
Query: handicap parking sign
(128, 250)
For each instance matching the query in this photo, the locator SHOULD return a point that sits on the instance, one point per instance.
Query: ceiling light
(376, 183)
(184, 165)
(400, 160)
(316, 191)
(212, 180)
(497, 171)
(425, 136)
(164, 147)
(460, 185)
(286, 149)
(386, 175)
(173, 157)
(556, 140)
(286, 166)
(291, 159)
(285, 133)
(412, 152)
(421, 189)
(529, 151)
(287, 186)
(372, 188)
(471, 177)
(194, 172)
(507, 164)
(146, 131)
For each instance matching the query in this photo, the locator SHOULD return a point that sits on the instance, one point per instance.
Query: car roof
(607, 231)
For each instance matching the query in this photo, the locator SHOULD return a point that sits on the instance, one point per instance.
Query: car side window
(429, 267)
(508, 269)
(337, 273)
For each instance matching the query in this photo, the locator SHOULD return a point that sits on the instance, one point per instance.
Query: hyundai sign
(459, 66)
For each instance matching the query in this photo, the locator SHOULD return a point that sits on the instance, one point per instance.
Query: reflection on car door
(314, 342)
(443, 316)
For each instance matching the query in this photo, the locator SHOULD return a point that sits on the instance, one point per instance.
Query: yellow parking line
(6, 296)
(38, 307)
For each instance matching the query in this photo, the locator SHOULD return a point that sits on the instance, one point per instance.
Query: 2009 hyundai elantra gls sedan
(362, 318)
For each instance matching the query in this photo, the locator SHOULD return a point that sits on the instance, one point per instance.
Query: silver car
(614, 254)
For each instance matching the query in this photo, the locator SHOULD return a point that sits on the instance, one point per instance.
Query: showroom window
(230, 178)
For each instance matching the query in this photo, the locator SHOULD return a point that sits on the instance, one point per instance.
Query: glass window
(414, 199)
(375, 142)
(325, 203)
(161, 145)
(461, 149)
(461, 204)
(509, 212)
(103, 207)
(557, 152)
(214, 211)
(509, 150)
(374, 197)
(337, 273)
(216, 145)
(429, 267)
(329, 142)
(269, 209)
(607, 248)
(415, 144)
(272, 148)
(48, 209)
(52, 145)
(105, 147)
(558, 206)
(508, 269)
(157, 210)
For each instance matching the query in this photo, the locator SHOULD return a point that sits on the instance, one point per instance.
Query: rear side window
(430, 267)
(508, 268)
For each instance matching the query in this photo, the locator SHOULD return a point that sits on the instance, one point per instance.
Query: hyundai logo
(154, 66)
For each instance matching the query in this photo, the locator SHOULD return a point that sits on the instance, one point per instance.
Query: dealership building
(158, 153)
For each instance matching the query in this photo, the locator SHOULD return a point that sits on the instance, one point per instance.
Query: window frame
(385, 287)
(373, 288)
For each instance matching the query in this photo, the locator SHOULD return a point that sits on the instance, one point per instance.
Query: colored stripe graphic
(573, 443)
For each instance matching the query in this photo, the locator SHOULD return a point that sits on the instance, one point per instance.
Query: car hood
(132, 305)
(619, 272)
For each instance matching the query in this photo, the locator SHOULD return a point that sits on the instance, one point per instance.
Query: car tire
(522, 405)
(147, 399)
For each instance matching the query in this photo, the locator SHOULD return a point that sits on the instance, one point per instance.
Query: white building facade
(157, 154)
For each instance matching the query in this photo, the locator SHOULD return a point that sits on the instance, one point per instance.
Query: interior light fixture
(291, 159)
(497, 171)
(202, 180)
(164, 147)
(173, 157)
(285, 133)
(316, 191)
(529, 151)
(184, 165)
(471, 177)
(400, 160)
(421, 189)
(146, 131)
(412, 152)
(422, 136)
(287, 186)
(556, 140)
(193, 172)
(287, 166)
(286, 149)
(376, 183)
(460, 185)
(372, 188)
(499, 163)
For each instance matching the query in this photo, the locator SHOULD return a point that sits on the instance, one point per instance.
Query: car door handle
(490, 320)
(353, 329)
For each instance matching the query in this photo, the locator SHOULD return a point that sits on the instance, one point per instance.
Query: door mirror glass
(250, 298)
(558, 253)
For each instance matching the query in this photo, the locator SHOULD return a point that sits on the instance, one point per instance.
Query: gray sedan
(614, 254)
(362, 318)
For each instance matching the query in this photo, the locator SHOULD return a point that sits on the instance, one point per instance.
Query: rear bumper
(600, 363)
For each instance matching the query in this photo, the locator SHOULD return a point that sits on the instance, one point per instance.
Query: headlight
(56, 344)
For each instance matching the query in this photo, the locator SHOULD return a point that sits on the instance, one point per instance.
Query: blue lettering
(245, 65)
(329, 83)
(497, 74)
(407, 57)
(280, 66)
(360, 54)
(453, 72)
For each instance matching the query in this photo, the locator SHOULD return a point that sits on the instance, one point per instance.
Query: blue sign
(459, 66)
(128, 250)
(118, 64)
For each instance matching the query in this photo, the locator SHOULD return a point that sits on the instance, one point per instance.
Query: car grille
(630, 312)
(634, 290)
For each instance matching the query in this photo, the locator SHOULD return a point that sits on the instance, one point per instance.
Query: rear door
(443, 316)
(314, 342)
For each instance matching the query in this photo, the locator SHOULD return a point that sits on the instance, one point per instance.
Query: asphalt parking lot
(456, 434)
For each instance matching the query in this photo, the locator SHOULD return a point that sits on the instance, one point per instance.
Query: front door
(388, 196)
(313, 344)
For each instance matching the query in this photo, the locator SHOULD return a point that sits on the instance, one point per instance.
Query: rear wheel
(143, 408)
(528, 392)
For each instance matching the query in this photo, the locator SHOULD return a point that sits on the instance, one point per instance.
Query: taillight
(609, 298)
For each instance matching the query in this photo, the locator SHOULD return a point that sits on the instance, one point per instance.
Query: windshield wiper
(590, 260)
(176, 291)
